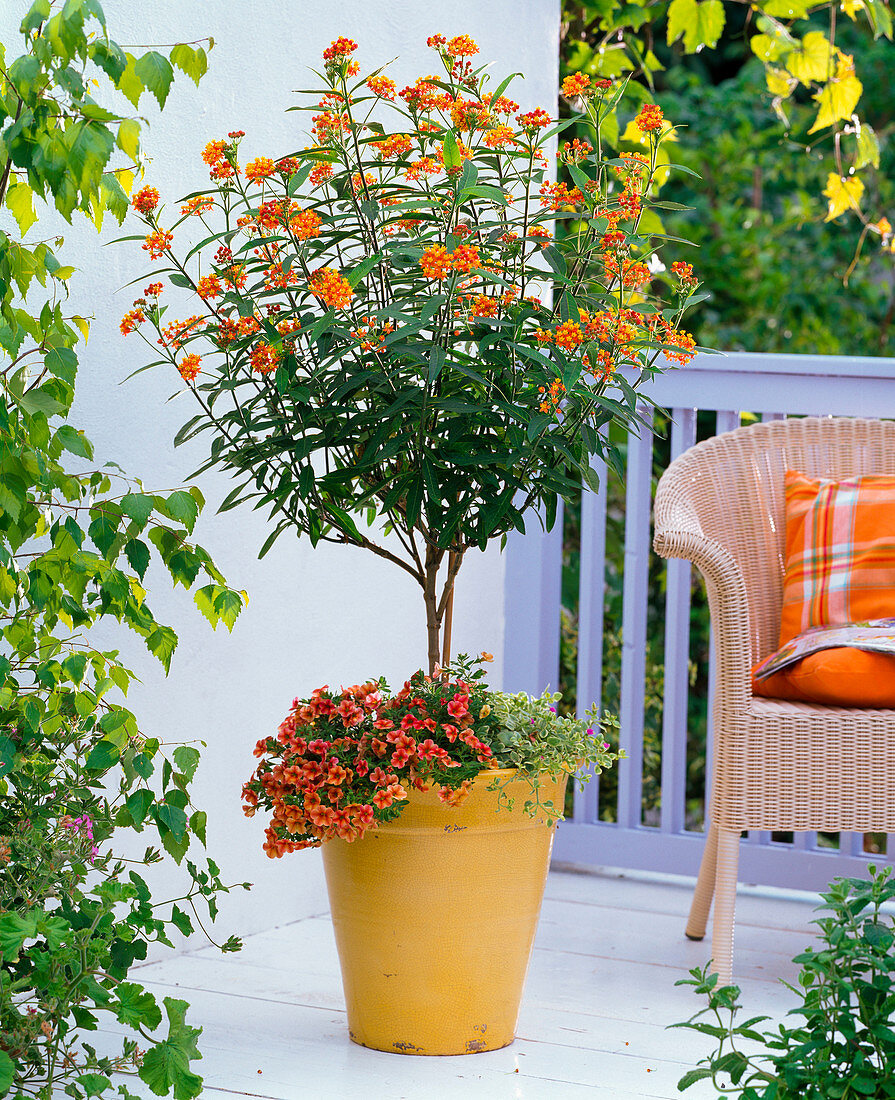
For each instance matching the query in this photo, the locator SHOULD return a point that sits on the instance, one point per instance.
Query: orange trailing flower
(650, 118)
(189, 367)
(157, 243)
(331, 288)
(145, 200)
(261, 168)
(435, 262)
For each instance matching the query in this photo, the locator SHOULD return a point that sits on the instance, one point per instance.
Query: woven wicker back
(734, 485)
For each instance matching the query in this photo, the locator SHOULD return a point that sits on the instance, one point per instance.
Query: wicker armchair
(777, 765)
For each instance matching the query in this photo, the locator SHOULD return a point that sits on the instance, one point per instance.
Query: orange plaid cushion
(840, 551)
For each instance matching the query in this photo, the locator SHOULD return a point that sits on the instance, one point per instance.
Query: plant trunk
(433, 618)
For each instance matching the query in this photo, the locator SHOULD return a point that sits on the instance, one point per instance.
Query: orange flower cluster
(461, 45)
(174, 334)
(371, 334)
(209, 286)
(423, 96)
(145, 200)
(216, 156)
(305, 224)
(342, 47)
(261, 168)
(189, 367)
(131, 320)
(685, 273)
(575, 152)
(650, 118)
(331, 288)
(551, 397)
(425, 166)
(395, 145)
(201, 204)
(342, 762)
(157, 243)
(630, 273)
(437, 263)
(153, 290)
(575, 85)
(265, 358)
(557, 196)
(382, 86)
(320, 173)
(499, 136)
(329, 126)
(568, 335)
(534, 120)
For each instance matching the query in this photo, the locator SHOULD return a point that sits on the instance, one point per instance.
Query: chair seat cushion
(844, 677)
(840, 551)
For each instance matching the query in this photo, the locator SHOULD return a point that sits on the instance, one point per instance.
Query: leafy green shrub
(75, 545)
(845, 1048)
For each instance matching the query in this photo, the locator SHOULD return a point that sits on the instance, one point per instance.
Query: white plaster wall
(331, 615)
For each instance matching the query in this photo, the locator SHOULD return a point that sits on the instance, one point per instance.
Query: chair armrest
(678, 533)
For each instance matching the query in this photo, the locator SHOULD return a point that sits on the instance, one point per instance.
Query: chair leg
(705, 888)
(725, 905)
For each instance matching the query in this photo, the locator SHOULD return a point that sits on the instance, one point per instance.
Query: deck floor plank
(599, 996)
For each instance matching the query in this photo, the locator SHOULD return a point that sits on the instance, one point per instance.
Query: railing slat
(636, 580)
(677, 658)
(532, 591)
(591, 597)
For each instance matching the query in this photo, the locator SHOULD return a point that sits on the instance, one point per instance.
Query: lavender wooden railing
(772, 386)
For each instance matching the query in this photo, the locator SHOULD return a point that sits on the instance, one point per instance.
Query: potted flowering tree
(391, 347)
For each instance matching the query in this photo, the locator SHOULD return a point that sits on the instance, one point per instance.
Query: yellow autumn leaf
(126, 178)
(812, 60)
(837, 100)
(780, 83)
(843, 194)
(83, 325)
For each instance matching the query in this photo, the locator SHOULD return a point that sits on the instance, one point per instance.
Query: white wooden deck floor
(599, 995)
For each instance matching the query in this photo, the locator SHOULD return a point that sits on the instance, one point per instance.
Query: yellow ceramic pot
(435, 916)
